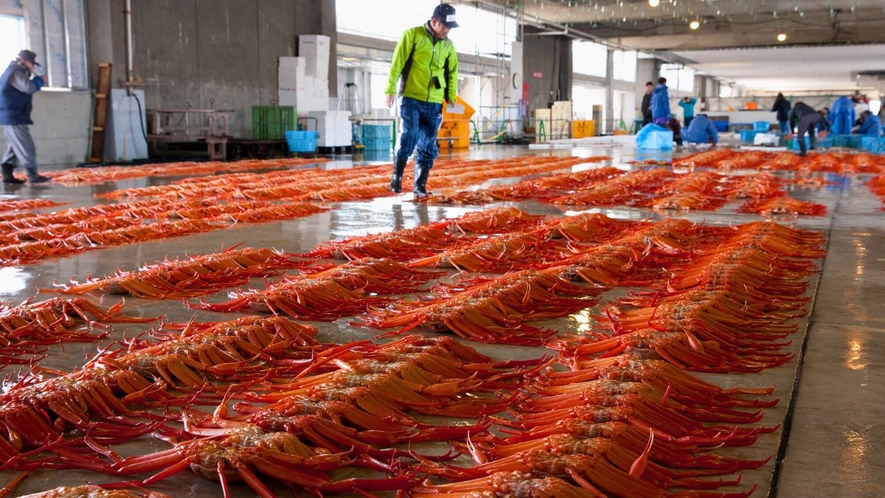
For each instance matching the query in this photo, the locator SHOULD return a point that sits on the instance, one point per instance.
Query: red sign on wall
(525, 91)
(538, 75)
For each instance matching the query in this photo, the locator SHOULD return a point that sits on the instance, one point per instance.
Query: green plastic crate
(271, 122)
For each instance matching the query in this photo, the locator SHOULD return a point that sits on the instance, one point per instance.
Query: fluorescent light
(654, 3)
(694, 24)
(782, 36)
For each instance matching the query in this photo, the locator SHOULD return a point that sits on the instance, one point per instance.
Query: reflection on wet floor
(834, 449)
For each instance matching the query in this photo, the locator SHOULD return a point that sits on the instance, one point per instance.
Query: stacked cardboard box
(334, 128)
(542, 116)
(561, 117)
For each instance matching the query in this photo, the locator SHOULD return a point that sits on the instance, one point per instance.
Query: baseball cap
(27, 55)
(445, 14)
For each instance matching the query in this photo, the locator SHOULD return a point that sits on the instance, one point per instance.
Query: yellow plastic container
(582, 129)
(462, 111)
(457, 129)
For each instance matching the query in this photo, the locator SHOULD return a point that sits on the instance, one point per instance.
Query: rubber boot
(421, 174)
(396, 182)
(34, 177)
(8, 178)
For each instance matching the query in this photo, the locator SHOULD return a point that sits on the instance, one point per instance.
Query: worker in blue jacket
(842, 116)
(870, 125)
(700, 131)
(660, 103)
(17, 87)
(687, 105)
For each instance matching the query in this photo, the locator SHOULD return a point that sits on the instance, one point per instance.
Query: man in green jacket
(426, 60)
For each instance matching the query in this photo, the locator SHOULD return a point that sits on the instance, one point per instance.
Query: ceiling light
(782, 36)
(694, 24)
(654, 3)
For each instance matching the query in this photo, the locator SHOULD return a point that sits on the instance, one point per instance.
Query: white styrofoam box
(765, 139)
(344, 113)
(321, 41)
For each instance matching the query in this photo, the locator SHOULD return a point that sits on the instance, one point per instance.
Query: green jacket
(418, 57)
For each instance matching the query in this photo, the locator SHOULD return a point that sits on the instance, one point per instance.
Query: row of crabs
(625, 419)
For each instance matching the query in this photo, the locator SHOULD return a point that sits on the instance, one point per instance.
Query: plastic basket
(826, 143)
(855, 141)
(840, 140)
(869, 144)
(720, 125)
(272, 122)
(302, 141)
(371, 132)
(747, 136)
(794, 143)
(377, 143)
(761, 126)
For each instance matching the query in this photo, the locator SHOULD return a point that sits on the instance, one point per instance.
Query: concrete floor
(827, 445)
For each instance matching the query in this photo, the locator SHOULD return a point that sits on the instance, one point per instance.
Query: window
(388, 21)
(481, 31)
(378, 85)
(725, 92)
(487, 33)
(588, 58)
(12, 36)
(625, 66)
(679, 77)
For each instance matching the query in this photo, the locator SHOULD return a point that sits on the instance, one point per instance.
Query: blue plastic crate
(371, 132)
(882, 145)
(720, 125)
(826, 143)
(794, 143)
(747, 136)
(855, 141)
(840, 140)
(761, 126)
(378, 143)
(302, 141)
(869, 144)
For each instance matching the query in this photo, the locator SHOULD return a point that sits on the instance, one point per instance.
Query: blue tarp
(654, 137)
(842, 116)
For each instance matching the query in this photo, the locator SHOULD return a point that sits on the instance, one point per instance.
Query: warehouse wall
(220, 54)
(551, 56)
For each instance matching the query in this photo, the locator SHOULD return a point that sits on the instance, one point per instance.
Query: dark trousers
(646, 118)
(688, 120)
(420, 124)
(807, 125)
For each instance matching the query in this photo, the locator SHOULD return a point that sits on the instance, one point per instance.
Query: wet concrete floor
(834, 445)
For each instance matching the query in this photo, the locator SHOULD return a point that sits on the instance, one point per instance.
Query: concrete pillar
(609, 125)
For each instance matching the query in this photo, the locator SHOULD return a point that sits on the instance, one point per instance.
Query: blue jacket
(700, 131)
(660, 102)
(688, 108)
(870, 127)
(15, 105)
(842, 116)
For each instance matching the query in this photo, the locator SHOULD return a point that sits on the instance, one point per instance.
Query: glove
(38, 70)
(38, 82)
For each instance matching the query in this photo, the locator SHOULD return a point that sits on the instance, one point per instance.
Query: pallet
(100, 117)
(335, 151)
